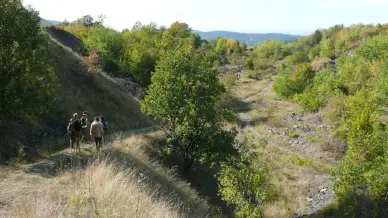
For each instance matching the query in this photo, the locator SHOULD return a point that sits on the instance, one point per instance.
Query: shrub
(297, 57)
(310, 101)
(367, 141)
(229, 80)
(283, 86)
(244, 184)
(374, 48)
(249, 63)
(293, 134)
(302, 77)
(263, 64)
(287, 85)
(302, 161)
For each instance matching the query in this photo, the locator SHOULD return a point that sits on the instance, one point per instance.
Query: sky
(250, 16)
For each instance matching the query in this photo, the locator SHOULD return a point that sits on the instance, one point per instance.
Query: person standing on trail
(104, 126)
(71, 133)
(97, 132)
(76, 126)
(84, 123)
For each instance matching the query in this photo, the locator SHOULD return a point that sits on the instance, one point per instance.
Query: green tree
(222, 46)
(316, 37)
(327, 48)
(184, 99)
(86, 20)
(141, 50)
(106, 41)
(27, 81)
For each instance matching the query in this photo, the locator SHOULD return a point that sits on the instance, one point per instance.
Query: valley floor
(299, 148)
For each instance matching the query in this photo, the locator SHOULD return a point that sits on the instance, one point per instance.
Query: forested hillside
(285, 129)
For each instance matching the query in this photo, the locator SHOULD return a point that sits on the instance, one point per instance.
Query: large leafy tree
(27, 81)
(184, 98)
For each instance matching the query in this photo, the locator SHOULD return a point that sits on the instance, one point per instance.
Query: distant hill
(248, 38)
(45, 22)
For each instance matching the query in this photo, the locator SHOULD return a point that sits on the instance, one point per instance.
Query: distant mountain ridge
(248, 38)
(45, 22)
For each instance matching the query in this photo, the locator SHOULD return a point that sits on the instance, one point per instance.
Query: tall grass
(120, 182)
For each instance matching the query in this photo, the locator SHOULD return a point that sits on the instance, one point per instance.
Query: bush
(244, 184)
(263, 64)
(310, 101)
(288, 84)
(367, 141)
(229, 80)
(302, 77)
(294, 134)
(249, 63)
(375, 48)
(283, 86)
(296, 58)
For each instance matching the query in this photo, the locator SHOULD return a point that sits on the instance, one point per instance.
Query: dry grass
(319, 64)
(246, 87)
(120, 182)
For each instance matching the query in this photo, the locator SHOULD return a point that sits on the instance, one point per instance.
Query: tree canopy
(28, 83)
(183, 97)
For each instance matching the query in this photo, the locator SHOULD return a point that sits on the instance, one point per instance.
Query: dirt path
(248, 128)
(318, 192)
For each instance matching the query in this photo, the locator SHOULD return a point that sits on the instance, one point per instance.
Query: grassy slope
(121, 181)
(93, 92)
(79, 91)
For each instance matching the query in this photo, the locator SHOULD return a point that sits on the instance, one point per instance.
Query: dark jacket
(77, 125)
